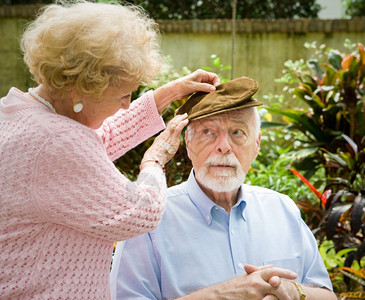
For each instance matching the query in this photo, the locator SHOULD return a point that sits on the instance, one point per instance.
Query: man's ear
(187, 143)
(258, 142)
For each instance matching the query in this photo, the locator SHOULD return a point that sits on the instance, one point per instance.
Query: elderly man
(220, 238)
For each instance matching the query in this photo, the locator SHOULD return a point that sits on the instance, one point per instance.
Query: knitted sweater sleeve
(75, 184)
(128, 128)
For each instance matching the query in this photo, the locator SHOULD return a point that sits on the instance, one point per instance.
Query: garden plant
(332, 125)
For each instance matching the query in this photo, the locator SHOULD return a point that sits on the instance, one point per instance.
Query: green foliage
(345, 205)
(334, 261)
(331, 84)
(331, 258)
(2, 2)
(271, 169)
(354, 8)
(273, 173)
(331, 124)
(215, 9)
(218, 67)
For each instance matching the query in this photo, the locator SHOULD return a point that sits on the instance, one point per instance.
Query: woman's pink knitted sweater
(63, 202)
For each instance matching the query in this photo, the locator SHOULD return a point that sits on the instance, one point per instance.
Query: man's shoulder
(260, 190)
(178, 199)
(261, 194)
(177, 190)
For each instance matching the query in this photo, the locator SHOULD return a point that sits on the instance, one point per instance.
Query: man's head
(223, 137)
(222, 148)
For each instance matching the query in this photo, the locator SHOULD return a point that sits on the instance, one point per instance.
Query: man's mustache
(222, 160)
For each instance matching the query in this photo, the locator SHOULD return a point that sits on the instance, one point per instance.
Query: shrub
(332, 127)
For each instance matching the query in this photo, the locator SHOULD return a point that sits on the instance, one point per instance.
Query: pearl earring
(78, 107)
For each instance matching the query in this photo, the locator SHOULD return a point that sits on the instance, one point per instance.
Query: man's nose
(223, 144)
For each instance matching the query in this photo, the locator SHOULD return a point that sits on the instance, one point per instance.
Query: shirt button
(240, 265)
(233, 232)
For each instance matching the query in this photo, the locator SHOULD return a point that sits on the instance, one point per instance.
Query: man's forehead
(239, 116)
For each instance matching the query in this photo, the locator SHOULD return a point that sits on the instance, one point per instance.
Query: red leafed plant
(332, 85)
(321, 196)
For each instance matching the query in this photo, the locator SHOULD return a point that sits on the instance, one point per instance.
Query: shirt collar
(241, 203)
(204, 204)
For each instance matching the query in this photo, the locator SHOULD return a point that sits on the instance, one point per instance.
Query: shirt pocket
(293, 264)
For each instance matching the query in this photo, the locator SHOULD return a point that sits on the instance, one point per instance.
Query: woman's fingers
(172, 133)
(167, 143)
(203, 81)
(176, 125)
(205, 76)
(199, 80)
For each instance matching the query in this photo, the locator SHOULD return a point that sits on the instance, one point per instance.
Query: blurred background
(309, 59)
(267, 33)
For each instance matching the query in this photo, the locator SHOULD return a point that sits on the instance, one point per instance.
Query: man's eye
(238, 132)
(207, 131)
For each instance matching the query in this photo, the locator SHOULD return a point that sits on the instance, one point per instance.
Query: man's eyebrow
(239, 120)
(210, 121)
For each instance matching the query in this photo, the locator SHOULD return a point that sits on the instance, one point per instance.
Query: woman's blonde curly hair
(88, 46)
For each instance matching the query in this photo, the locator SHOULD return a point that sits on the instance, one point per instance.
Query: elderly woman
(63, 202)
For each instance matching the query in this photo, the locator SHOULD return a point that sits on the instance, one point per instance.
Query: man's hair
(91, 45)
(250, 111)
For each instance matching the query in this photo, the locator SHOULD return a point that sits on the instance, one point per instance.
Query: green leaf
(357, 212)
(333, 219)
(338, 181)
(335, 158)
(314, 66)
(350, 142)
(330, 76)
(266, 124)
(301, 93)
(305, 152)
(355, 65)
(304, 122)
(335, 59)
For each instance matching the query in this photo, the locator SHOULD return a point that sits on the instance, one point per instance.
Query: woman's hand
(183, 87)
(166, 143)
(199, 80)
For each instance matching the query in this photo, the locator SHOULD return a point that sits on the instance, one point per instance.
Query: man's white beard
(221, 180)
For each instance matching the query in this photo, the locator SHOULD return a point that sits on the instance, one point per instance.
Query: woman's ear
(74, 95)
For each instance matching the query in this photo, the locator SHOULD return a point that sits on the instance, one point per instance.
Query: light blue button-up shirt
(197, 244)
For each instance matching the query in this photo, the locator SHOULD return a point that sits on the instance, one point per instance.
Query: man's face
(222, 148)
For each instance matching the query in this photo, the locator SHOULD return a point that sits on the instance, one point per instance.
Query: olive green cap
(228, 96)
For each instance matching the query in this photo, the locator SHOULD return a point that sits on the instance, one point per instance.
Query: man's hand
(252, 286)
(274, 281)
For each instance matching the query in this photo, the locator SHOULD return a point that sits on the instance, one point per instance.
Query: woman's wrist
(152, 162)
(164, 96)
